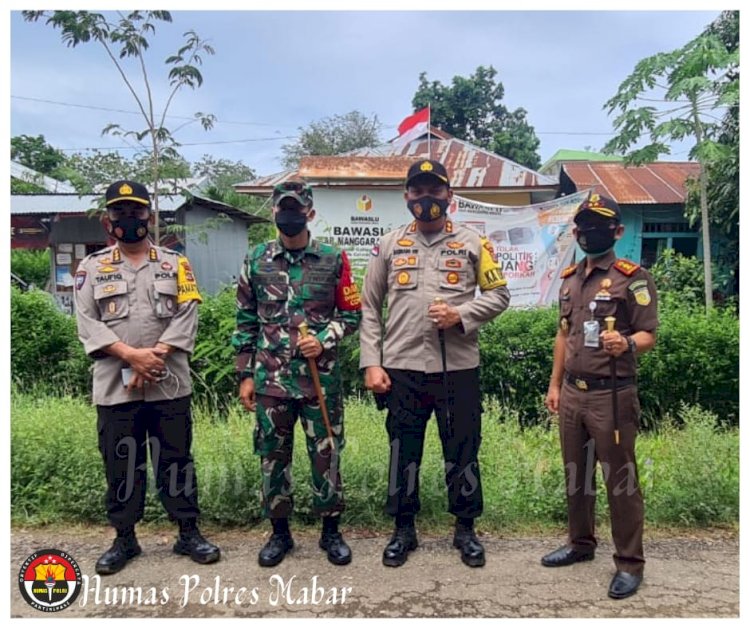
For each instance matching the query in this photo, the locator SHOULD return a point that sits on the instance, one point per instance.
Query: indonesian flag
(413, 126)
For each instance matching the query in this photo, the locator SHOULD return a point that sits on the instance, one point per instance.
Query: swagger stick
(303, 331)
(610, 320)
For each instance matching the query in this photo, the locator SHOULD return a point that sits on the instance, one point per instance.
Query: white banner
(533, 242)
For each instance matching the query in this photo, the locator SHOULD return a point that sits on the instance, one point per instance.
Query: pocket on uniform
(272, 301)
(452, 274)
(165, 298)
(405, 272)
(112, 300)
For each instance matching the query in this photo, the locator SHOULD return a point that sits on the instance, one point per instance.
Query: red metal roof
(652, 184)
(469, 167)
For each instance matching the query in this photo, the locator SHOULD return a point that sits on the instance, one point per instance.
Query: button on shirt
(155, 302)
(411, 270)
(618, 288)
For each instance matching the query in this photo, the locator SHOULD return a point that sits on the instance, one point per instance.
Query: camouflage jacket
(279, 289)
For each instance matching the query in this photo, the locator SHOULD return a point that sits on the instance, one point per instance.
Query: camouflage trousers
(273, 441)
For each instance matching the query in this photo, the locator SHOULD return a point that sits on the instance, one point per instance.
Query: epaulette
(626, 267)
(567, 272)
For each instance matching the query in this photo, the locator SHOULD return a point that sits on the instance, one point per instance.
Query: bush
(689, 471)
(31, 266)
(45, 351)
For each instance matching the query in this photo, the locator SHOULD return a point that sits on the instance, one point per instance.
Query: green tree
(472, 110)
(723, 174)
(127, 37)
(332, 136)
(35, 153)
(691, 85)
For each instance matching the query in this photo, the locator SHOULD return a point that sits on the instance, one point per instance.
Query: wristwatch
(631, 344)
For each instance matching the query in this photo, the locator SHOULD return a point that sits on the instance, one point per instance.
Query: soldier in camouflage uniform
(285, 282)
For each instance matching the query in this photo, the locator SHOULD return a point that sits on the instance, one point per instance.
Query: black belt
(597, 383)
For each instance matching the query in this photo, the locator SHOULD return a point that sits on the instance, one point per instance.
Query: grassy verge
(689, 475)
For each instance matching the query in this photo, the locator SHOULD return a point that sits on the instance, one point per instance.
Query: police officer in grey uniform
(429, 359)
(136, 306)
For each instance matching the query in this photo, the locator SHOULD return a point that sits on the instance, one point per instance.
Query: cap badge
(426, 166)
(125, 189)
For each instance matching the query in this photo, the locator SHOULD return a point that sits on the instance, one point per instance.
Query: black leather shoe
(403, 541)
(472, 551)
(116, 557)
(624, 585)
(338, 551)
(191, 543)
(273, 552)
(566, 556)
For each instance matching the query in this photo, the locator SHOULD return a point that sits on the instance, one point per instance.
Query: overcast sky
(276, 71)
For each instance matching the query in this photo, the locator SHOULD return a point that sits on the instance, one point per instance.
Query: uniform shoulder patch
(567, 272)
(626, 267)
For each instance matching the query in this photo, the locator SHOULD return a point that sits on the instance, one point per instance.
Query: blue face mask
(428, 208)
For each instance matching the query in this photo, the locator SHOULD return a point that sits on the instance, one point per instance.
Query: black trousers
(412, 399)
(125, 430)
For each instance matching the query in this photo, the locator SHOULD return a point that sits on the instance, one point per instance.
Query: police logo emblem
(434, 211)
(405, 242)
(452, 278)
(412, 260)
(403, 278)
(50, 580)
(125, 189)
(80, 279)
(426, 166)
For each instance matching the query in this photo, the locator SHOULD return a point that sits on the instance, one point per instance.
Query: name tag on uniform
(591, 334)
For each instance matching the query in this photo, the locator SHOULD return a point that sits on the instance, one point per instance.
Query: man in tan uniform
(581, 387)
(136, 305)
(429, 360)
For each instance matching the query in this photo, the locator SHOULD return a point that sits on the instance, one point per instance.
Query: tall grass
(689, 469)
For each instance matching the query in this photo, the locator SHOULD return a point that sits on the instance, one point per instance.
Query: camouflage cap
(127, 191)
(597, 205)
(297, 189)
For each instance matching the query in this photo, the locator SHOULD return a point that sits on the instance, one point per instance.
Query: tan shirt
(618, 288)
(155, 302)
(411, 270)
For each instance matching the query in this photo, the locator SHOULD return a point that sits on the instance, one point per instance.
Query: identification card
(591, 334)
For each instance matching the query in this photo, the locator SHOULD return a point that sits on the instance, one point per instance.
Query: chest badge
(405, 242)
(455, 245)
(166, 266)
(452, 278)
(403, 278)
(106, 269)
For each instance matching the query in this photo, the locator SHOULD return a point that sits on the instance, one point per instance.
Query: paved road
(691, 576)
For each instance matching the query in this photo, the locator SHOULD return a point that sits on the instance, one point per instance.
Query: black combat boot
(124, 547)
(280, 543)
(191, 543)
(333, 543)
(472, 552)
(403, 541)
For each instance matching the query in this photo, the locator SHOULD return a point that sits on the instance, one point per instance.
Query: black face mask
(291, 222)
(129, 229)
(596, 241)
(428, 208)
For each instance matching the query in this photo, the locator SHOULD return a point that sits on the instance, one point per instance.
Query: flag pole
(429, 122)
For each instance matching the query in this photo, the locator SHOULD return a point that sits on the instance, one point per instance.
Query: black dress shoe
(566, 556)
(403, 541)
(472, 552)
(624, 585)
(335, 545)
(116, 557)
(273, 552)
(191, 543)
